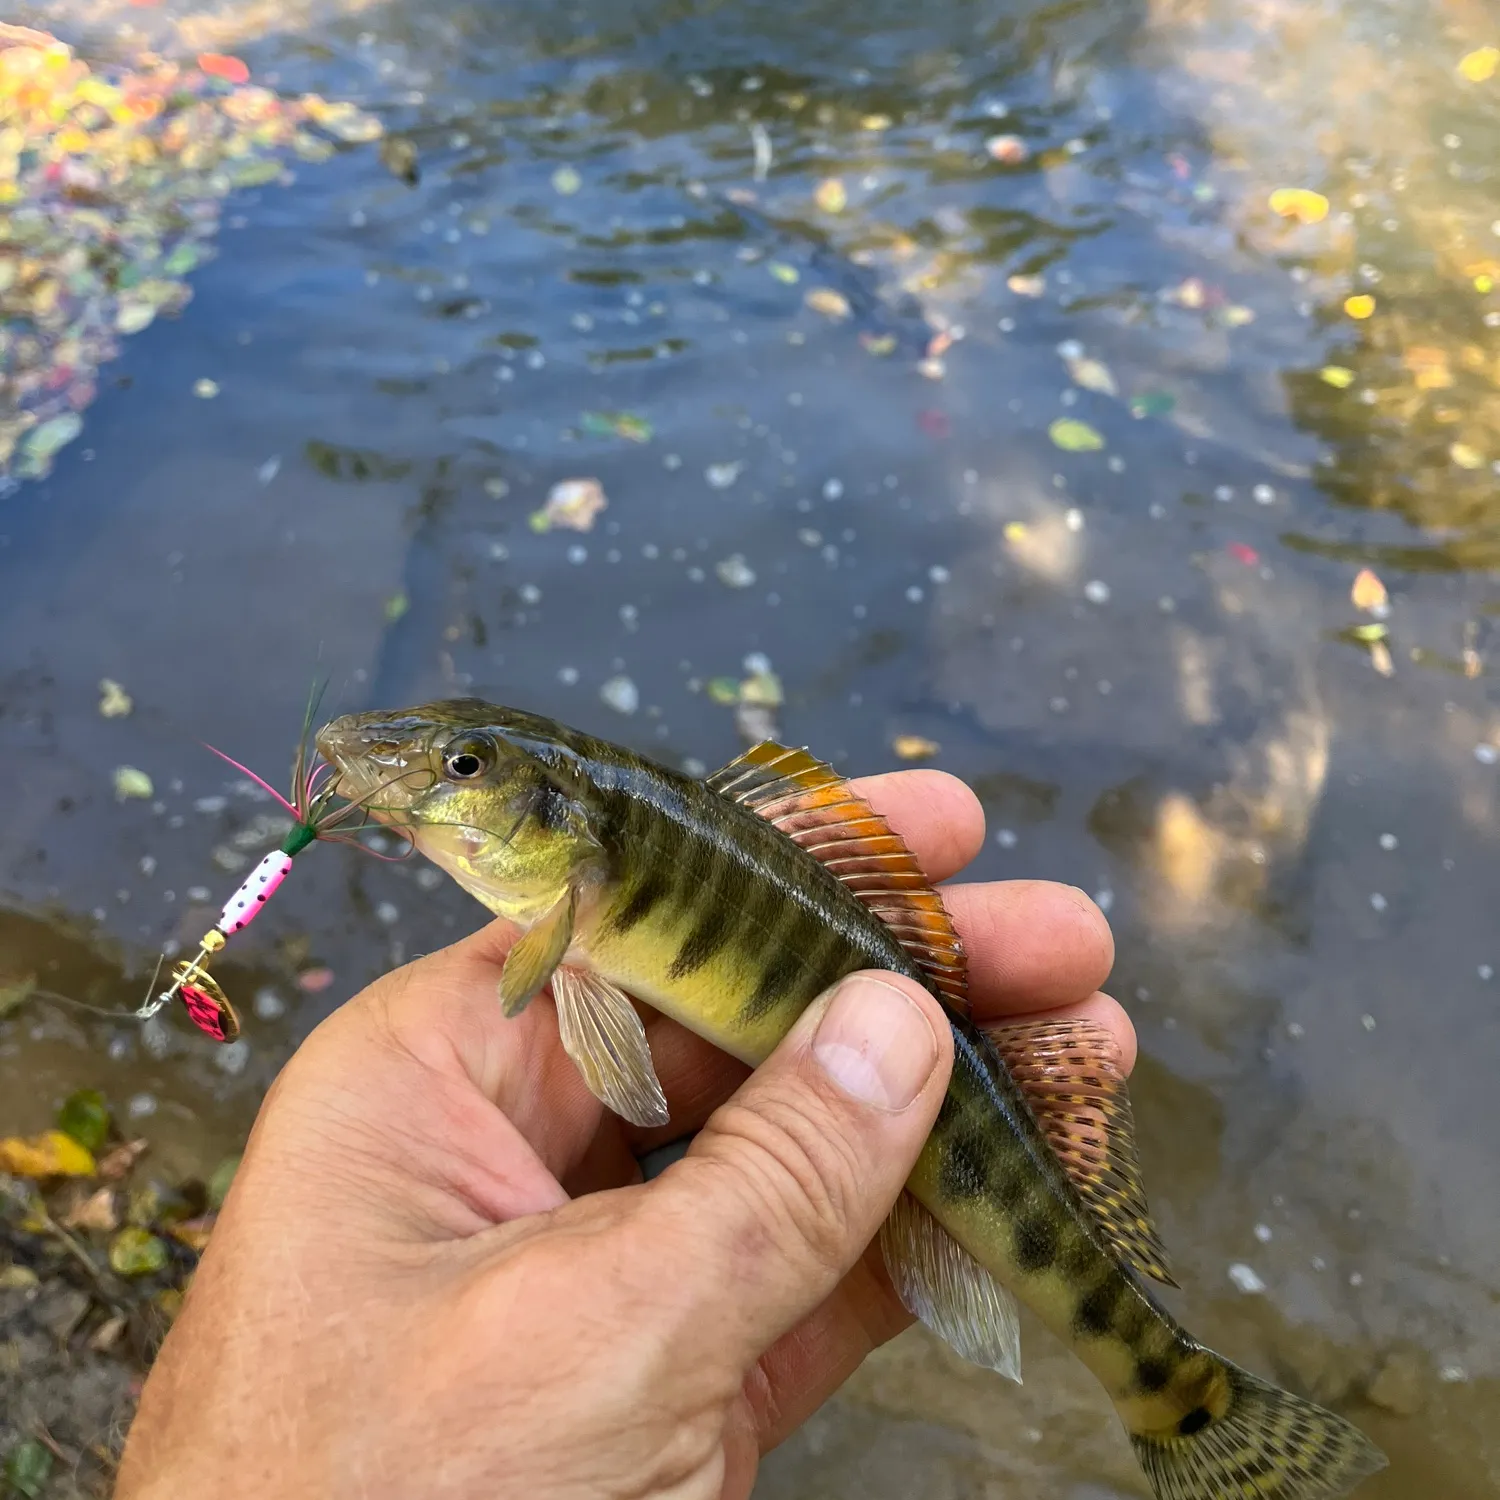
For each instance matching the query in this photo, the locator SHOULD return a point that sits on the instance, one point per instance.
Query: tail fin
(1267, 1445)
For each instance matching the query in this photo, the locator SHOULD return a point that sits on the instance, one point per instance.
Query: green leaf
(1073, 436)
(1152, 404)
(27, 1466)
(1369, 633)
(85, 1117)
(724, 690)
(137, 1252)
(784, 273)
(182, 260)
(218, 1183)
(396, 606)
(257, 174)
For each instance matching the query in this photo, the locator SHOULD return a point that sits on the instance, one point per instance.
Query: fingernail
(875, 1043)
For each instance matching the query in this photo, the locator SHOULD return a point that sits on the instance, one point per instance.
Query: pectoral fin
(603, 1035)
(529, 965)
(940, 1283)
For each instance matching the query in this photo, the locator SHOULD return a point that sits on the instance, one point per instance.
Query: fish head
(484, 792)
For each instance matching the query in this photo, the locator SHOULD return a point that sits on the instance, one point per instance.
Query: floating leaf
(1301, 204)
(137, 1252)
(914, 747)
(218, 65)
(831, 197)
(1480, 65)
(784, 273)
(617, 424)
(257, 174)
(27, 1468)
(1360, 306)
(830, 303)
(1016, 531)
(1009, 149)
(51, 1154)
(1152, 404)
(1465, 456)
(1073, 436)
(205, 390)
(44, 442)
(114, 701)
(566, 181)
(1091, 374)
(396, 606)
(1368, 592)
(724, 690)
(1027, 286)
(878, 344)
(1237, 316)
(1336, 376)
(134, 317)
(762, 689)
(84, 1117)
(130, 782)
(1368, 633)
(572, 503)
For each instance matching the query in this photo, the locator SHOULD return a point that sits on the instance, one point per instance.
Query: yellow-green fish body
(731, 905)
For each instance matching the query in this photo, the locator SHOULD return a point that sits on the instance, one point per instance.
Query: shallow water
(1139, 654)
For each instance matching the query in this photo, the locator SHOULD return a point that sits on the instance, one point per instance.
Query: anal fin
(941, 1284)
(1070, 1074)
(813, 805)
(604, 1036)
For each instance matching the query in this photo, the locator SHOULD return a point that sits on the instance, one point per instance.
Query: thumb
(789, 1181)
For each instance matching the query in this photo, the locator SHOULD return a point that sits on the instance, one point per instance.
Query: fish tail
(1252, 1440)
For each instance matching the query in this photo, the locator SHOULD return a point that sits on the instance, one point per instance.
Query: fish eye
(468, 757)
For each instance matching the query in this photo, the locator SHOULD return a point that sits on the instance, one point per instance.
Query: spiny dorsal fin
(812, 804)
(1070, 1074)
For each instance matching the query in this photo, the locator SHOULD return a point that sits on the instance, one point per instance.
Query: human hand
(439, 1274)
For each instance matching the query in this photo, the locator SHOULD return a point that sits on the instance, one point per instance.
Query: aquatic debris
(914, 747)
(1073, 436)
(1301, 204)
(1337, 376)
(1152, 404)
(1091, 374)
(84, 1117)
(1480, 65)
(399, 157)
(130, 782)
(831, 196)
(621, 694)
(1368, 592)
(395, 607)
(114, 701)
(565, 180)
(830, 303)
(110, 186)
(28, 1466)
(617, 424)
(137, 1252)
(787, 275)
(1246, 1280)
(1027, 286)
(50, 1154)
(571, 503)
(1009, 149)
(878, 344)
(1380, 659)
(1360, 306)
(762, 151)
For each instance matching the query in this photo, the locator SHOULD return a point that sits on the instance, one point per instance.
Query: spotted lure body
(730, 905)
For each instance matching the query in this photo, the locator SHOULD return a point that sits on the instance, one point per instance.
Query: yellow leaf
(1368, 591)
(1466, 457)
(1484, 283)
(830, 303)
(1480, 65)
(875, 122)
(1014, 530)
(1360, 306)
(51, 1154)
(1301, 204)
(831, 197)
(914, 747)
(1336, 376)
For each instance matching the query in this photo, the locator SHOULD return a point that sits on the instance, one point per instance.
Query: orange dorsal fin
(814, 806)
(1070, 1074)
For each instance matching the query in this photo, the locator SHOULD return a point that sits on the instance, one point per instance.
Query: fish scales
(674, 893)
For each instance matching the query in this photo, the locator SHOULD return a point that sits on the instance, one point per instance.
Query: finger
(788, 1183)
(1032, 945)
(938, 817)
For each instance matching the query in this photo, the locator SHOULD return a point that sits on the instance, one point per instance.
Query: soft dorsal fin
(1070, 1074)
(813, 805)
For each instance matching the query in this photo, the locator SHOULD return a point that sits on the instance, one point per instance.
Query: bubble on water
(1096, 591)
(1007, 838)
(621, 694)
(1486, 754)
(1389, 841)
(1296, 1030)
(1263, 1233)
(268, 1004)
(156, 1037)
(233, 1058)
(1224, 494)
(1058, 705)
(1245, 1279)
(1378, 901)
(140, 1106)
(721, 476)
(914, 594)
(833, 489)
(1104, 899)
(429, 879)
(387, 914)
(938, 574)
(578, 554)
(1367, 1021)
(1486, 972)
(734, 572)
(530, 594)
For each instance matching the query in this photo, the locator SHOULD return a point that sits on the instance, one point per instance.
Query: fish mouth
(381, 762)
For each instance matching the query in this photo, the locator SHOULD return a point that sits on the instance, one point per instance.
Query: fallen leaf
(1480, 65)
(118, 1161)
(51, 1154)
(1073, 436)
(84, 1117)
(114, 701)
(787, 275)
(1369, 633)
(107, 1334)
(1465, 456)
(27, 1468)
(1027, 286)
(1336, 376)
(1360, 306)
(137, 1252)
(1368, 592)
(193, 1233)
(97, 1212)
(132, 783)
(831, 196)
(1152, 404)
(1092, 375)
(219, 65)
(914, 747)
(878, 343)
(830, 303)
(573, 504)
(1242, 552)
(1301, 204)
